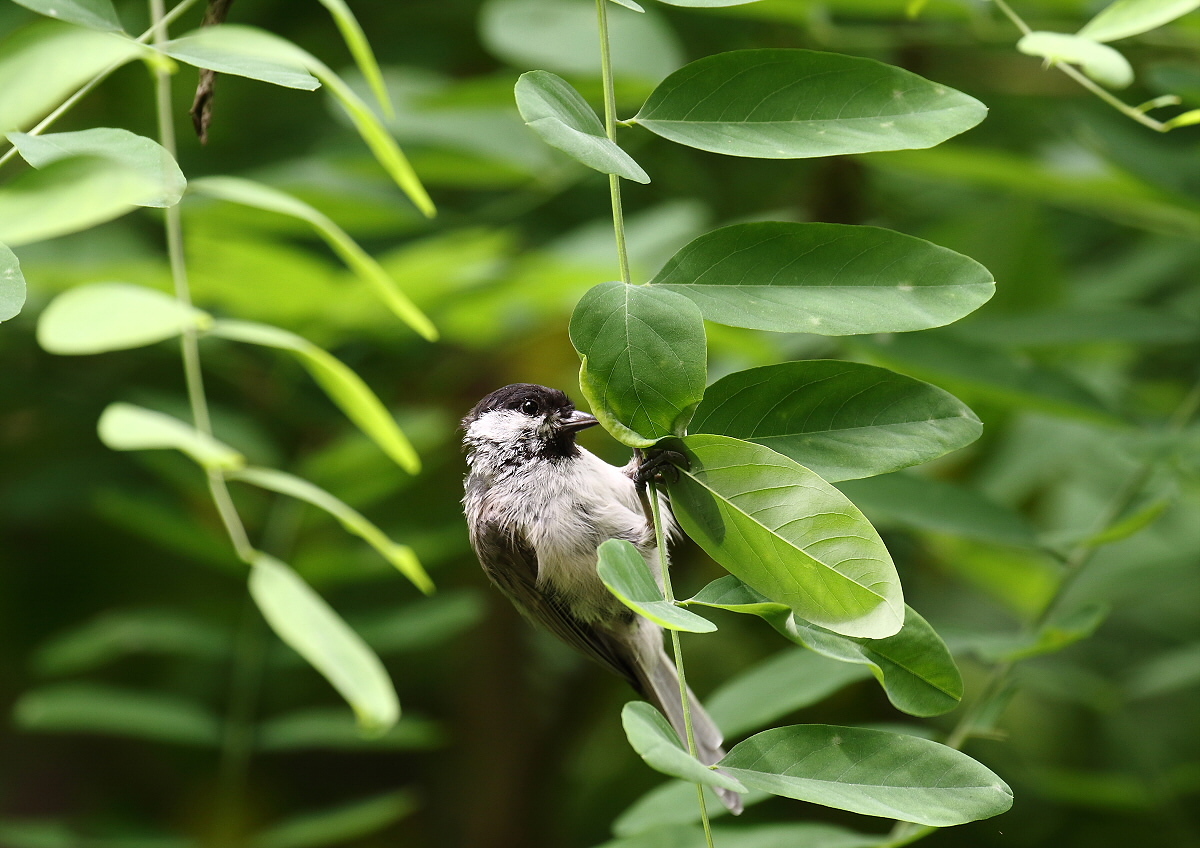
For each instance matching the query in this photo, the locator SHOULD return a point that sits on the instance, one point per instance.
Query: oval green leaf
(829, 279)
(1099, 61)
(644, 359)
(788, 534)
(401, 556)
(794, 104)
(560, 116)
(627, 576)
(124, 426)
(113, 316)
(304, 621)
(113, 711)
(93, 14)
(1133, 17)
(245, 51)
(658, 744)
(140, 154)
(843, 420)
(871, 772)
(344, 387)
(12, 284)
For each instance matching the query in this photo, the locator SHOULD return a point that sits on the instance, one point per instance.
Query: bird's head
(521, 422)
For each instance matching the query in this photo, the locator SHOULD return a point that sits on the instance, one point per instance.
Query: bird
(538, 506)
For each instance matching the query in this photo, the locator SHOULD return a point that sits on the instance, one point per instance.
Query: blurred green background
(147, 705)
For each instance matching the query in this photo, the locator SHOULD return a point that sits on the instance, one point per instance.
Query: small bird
(538, 506)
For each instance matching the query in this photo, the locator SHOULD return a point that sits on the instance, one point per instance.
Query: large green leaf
(1099, 61)
(564, 120)
(96, 708)
(644, 359)
(1132, 17)
(788, 534)
(842, 420)
(93, 14)
(123, 426)
(870, 772)
(914, 666)
(12, 284)
(344, 387)
(113, 316)
(792, 104)
(627, 576)
(658, 744)
(830, 279)
(245, 51)
(140, 154)
(310, 626)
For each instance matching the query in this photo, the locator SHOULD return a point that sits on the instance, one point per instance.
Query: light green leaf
(66, 197)
(360, 49)
(310, 626)
(644, 359)
(1100, 62)
(12, 284)
(564, 120)
(120, 633)
(1133, 17)
(658, 744)
(627, 576)
(788, 534)
(794, 835)
(843, 420)
(333, 729)
(829, 279)
(260, 196)
(140, 154)
(96, 708)
(245, 51)
(101, 317)
(337, 824)
(629, 4)
(793, 104)
(60, 58)
(871, 772)
(344, 387)
(124, 426)
(93, 14)
(401, 556)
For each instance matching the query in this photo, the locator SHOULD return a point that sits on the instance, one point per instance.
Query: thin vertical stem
(610, 128)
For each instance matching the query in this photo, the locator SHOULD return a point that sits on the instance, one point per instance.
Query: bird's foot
(661, 466)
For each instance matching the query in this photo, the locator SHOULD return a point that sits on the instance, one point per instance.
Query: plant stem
(610, 128)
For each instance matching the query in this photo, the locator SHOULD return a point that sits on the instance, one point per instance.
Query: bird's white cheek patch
(501, 427)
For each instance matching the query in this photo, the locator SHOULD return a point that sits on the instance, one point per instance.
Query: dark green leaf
(337, 824)
(93, 14)
(122, 633)
(1069, 326)
(791, 104)
(12, 284)
(424, 623)
(627, 576)
(829, 279)
(113, 316)
(93, 708)
(658, 744)
(1133, 17)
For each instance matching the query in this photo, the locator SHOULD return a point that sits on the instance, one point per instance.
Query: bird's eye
(529, 407)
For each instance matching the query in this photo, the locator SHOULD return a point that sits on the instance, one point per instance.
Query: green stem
(610, 128)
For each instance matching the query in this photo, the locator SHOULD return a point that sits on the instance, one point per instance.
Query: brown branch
(201, 110)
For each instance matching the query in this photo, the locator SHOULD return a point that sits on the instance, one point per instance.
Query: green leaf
(658, 744)
(344, 387)
(58, 59)
(629, 4)
(794, 104)
(260, 196)
(644, 359)
(1133, 17)
(245, 51)
(674, 802)
(788, 681)
(338, 824)
(66, 197)
(1130, 524)
(113, 316)
(871, 772)
(93, 14)
(829, 279)
(706, 4)
(843, 420)
(1050, 638)
(795, 835)
(1168, 672)
(96, 708)
(124, 426)
(1099, 61)
(914, 666)
(138, 153)
(121, 633)
(401, 556)
(627, 576)
(360, 49)
(325, 729)
(564, 120)
(12, 284)
(788, 534)
(304, 621)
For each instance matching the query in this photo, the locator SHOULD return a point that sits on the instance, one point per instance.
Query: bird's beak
(577, 421)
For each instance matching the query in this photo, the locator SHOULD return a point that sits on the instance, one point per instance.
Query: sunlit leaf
(113, 316)
(627, 576)
(658, 744)
(138, 153)
(787, 533)
(843, 420)
(830, 279)
(1133, 17)
(360, 49)
(107, 710)
(871, 772)
(245, 51)
(791, 104)
(12, 284)
(333, 729)
(93, 14)
(564, 120)
(124, 426)
(337, 824)
(303, 620)
(123, 633)
(1099, 61)
(344, 387)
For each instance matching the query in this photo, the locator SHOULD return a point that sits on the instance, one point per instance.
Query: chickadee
(538, 506)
